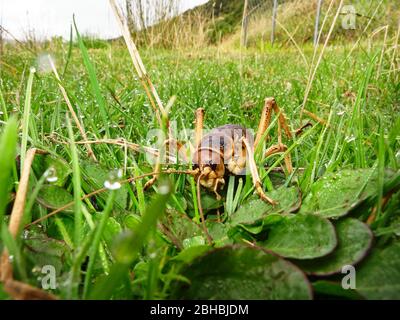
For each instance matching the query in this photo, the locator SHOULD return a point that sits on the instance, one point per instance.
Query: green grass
(112, 248)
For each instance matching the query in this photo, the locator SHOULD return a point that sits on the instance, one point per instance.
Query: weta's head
(210, 163)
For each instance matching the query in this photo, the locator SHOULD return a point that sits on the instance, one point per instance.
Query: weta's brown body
(221, 152)
(229, 149)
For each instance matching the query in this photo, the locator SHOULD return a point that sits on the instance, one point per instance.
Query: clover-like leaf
(95, 176)
(239, 272)
(255, 210)
(336, 194)
(54, 197)
(43, 162)
(301, 237)
(354, 241)
(378, 276)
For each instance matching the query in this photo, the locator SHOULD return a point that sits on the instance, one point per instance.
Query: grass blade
(93, 81)
(25, 119)
(77, 186)
(8, 143)
(127, 250)
(96, 242)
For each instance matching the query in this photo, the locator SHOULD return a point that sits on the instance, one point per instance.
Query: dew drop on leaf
(51, 174)
(112, 182)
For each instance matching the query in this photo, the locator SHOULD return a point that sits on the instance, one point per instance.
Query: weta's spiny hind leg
(280, 148)
(167, 143)
(254, 174)
(199, 126)
(271, 105)
(264, 120)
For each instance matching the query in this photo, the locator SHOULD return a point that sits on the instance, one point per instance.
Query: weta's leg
(283, 123)
(167, 145)
(175, 151)
(270, 104)
(264, 121)
(199, 126)
(216, 187)
(157, 169)
(254, 174)
(279, 148)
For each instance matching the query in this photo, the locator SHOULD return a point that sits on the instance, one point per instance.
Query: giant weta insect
(229, 149)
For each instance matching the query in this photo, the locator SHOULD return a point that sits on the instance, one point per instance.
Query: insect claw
(263, 196)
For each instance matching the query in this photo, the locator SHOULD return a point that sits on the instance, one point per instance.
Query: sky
(49, 18)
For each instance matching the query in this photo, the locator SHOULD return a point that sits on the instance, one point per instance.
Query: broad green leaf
(42, 251)
(193, 242)
(301, 237)
(378, 277)
(335, 194)
(208, 202)
(95, 176)
(219, 233)
(354, 240)
(289, 200)
(267, 222)
(330, 288)
(54, 197)
(43, 162)
(189, 254)
(238, 272)
(181, 226)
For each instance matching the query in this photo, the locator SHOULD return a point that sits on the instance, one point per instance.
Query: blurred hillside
(220, 21)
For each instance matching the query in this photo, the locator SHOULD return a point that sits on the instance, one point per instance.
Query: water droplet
(164, 189)
(51, 174)
(25, 234)
(112, 182)
(153, 255)
(340, 109)
(11, 258)
(36, 270)
(349, 139)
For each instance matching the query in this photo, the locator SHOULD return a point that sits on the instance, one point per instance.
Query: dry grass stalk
(71, 110)
(16, 289)
(314, 72)
(148, 86)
